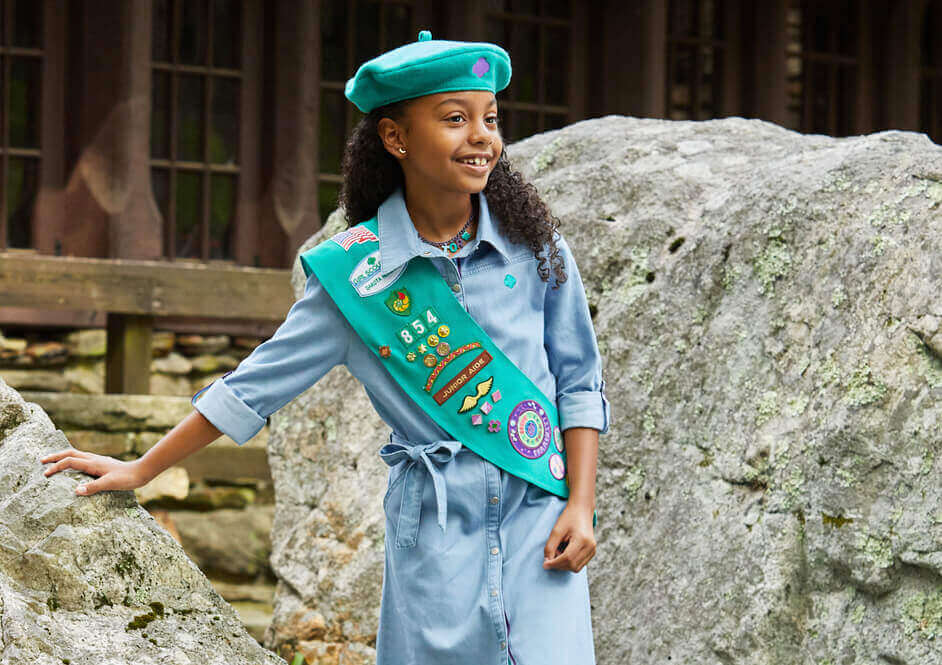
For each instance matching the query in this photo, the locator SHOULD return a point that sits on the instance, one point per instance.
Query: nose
(481, 133)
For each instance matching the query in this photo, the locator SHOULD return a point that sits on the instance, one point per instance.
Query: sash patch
(447, 359)
(399, 302)
(417, 327)
(556, 466)
(354, 236)
(529, 429)
(462, 377)
(471, 401)
(367, 279)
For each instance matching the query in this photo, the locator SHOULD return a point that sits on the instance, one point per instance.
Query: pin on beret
(425, 67)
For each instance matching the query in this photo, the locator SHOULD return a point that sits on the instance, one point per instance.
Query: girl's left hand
(571, 543)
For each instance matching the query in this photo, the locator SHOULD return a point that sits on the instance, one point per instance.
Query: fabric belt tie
(399, 450)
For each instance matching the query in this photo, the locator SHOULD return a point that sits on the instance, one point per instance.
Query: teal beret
(425, 67)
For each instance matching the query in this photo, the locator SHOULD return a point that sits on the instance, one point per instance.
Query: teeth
(477, 161)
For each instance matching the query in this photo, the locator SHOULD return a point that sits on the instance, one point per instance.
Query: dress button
(503, 644)
(494, 499)
(494, 550)
(493, 592)
(456, 287)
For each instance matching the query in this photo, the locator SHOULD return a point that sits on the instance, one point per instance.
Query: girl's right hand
(113, 474)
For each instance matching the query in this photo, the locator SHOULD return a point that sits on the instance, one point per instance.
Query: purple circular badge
(558, 439)
(529, 429)
(557, 466)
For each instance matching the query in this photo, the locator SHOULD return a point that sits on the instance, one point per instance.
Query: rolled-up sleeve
(573, 352)
(313, 338)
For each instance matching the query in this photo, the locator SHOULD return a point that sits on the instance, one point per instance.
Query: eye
(495, 120)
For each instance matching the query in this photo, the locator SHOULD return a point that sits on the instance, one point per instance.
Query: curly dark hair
(371, 174)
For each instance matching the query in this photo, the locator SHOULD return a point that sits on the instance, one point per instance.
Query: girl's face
(441, 133)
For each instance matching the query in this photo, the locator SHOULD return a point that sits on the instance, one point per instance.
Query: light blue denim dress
(463, 582)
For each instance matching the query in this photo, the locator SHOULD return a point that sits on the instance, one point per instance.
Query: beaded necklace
(457, 241)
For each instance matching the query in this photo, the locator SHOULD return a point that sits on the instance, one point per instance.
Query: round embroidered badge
(557, 466)
(558, 439)
(528, 428)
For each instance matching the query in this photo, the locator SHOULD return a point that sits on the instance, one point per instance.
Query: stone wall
(74, 361)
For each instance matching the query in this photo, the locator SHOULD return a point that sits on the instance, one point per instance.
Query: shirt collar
(399, 241)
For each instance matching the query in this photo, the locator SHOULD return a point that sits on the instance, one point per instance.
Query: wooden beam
(15, 319)
(157, 288)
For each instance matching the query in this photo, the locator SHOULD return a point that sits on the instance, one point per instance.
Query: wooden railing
(133, 293)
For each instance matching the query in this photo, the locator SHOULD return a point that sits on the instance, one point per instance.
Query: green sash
(441, 357)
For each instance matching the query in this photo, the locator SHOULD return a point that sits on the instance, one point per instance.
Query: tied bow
(439, 452)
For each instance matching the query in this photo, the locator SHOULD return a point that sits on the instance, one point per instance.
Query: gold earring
(402, 151)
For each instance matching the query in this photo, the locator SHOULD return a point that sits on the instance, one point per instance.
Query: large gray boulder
(327, 535)
(95, 580)
(768, 307)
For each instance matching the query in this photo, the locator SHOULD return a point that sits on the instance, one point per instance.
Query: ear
(392, 135)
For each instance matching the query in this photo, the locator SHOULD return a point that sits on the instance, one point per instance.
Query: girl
(427, 183)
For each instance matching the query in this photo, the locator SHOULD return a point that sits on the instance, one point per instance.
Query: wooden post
(730, 100)
(246, 236)
(578, 65)
(128, 353)
(903, 40)
(864, 114)
(289, 211)
(654, 83)
(771, 98)
(627, 52)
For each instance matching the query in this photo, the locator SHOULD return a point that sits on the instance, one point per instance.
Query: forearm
(582, 450)
(192, 434)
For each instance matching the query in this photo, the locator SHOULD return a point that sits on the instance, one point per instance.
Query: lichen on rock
(95, 579)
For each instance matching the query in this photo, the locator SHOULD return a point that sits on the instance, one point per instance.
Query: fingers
(578, 552)
(84, 464)
(552, 543)
(56, 456)
(89, 488)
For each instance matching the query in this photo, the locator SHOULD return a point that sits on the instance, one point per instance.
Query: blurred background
(200, 125)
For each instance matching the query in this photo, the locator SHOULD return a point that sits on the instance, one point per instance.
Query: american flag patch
(354, 236)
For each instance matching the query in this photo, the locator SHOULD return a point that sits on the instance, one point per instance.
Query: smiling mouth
(478, 165)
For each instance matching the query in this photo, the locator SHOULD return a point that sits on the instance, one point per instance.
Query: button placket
(454, 281)
(494, 556)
